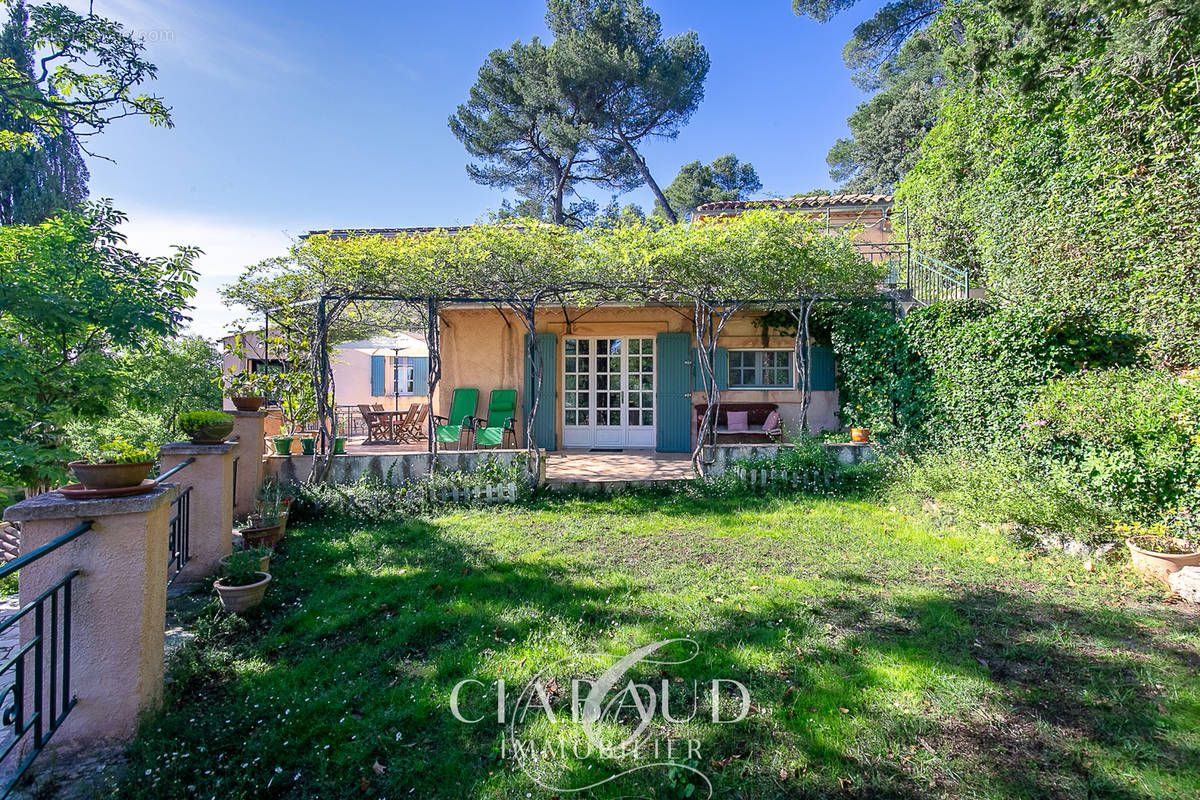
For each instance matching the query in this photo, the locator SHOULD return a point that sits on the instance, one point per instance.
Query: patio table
(394, 419)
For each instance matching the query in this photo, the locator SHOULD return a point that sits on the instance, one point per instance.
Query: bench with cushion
(757, 415)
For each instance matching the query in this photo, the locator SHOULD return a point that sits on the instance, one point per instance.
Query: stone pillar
(248, 426)
(210, 477)
(118, 607)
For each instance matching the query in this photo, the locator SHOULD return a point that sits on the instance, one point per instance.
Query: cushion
(738, 420)
(772, 422)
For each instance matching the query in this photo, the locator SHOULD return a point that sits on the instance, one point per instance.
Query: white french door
(608, 392)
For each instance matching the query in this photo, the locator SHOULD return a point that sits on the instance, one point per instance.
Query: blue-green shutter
(822, 369)
(420, 376)
(378, 376)
(543, 426)
(720, 364)
(673, 396)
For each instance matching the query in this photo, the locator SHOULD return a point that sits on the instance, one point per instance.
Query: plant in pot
(114, 465)
(265, 525)
(1157, 551)
(244, 389)
(242, 584)
(297, 406)
(263, 553)
(205, 427)
(860, 434)
(308, 445)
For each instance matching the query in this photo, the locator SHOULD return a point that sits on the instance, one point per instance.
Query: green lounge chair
(501, 419)
(462, 417)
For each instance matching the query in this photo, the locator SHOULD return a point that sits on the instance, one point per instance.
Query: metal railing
(50, 646)
(926, 279)
(178, 550)
(178, 547)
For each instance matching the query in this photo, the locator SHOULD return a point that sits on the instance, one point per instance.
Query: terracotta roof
(812, 201)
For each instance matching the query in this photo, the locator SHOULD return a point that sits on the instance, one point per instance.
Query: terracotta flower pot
(211, 434)
(243, 598)
(268, 535)
(264, 563)
(247, 403)
(1155, 567)
(110, 476)
(860, 435)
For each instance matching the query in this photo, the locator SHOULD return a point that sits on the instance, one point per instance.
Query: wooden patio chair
(378, 427)
(414, 423)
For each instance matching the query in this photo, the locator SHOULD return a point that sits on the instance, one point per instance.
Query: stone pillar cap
(247, 413)
(189, 449)
(52, 505)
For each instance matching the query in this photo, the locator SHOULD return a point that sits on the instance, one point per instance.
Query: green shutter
(378, 376)
(543, 430)
(720, 369)
(673, 398)
(420, 376)
(822, 370)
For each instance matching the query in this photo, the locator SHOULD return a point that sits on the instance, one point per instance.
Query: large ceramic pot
(339, 446)
(860, 435)
(1148, 559)
(110, 476)
(308, 445)
(247, 403)
(282, 445)
(243, 598)
(211, 434)
(268, 535)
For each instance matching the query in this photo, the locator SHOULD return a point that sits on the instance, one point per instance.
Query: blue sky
(291, 116)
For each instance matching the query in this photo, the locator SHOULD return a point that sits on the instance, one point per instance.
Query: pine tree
(38, 182)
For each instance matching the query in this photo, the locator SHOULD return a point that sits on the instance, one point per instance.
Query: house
(625, 377)
(390, 370)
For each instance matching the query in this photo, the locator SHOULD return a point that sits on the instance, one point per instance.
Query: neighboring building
(623, 376)
(391, 369)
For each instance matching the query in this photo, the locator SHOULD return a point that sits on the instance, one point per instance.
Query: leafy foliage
(190, 421)
(49, 176)
(71, 296)
(85, 76)
(1064, 162)
(119, 451)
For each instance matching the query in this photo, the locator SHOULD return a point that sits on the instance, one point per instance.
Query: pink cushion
(738, 420)
(772, 422)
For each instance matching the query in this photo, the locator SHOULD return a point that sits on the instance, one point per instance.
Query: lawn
(884, 656)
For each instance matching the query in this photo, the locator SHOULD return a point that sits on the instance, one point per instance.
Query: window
(760, 368)
(402, 377)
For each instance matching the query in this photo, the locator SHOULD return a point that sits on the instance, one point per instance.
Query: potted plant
(265, 525)
(263, 553)
(308, 445)
(205, 427)
(114, 465)
(339, 445)
(282, 445)
(860, 435)
(244, 389)
(242, 585)
(1157, 551)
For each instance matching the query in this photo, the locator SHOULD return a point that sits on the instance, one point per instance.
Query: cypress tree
(35, 183)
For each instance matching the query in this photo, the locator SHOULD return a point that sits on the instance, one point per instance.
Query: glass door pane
(609, 394)
(577, 368)
(639, 382)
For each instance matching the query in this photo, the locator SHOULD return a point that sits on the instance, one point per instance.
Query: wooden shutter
(673, 397)
(420, 376)
(543, 430)
(720, 364)
(378, 376)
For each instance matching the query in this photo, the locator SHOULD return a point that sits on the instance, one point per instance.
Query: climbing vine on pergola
(334, 289)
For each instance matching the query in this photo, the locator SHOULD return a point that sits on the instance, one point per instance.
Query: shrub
(119, 451)
(190, 421)
(816, 466)
(1130, 436)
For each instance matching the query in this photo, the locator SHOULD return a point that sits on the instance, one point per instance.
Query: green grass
(885, 657)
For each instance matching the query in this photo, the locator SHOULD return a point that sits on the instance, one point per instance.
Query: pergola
(762, 259)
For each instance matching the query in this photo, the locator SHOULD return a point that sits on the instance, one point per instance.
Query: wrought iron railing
(178, 548)
(49, 650)
(927, 279)
(179, 529)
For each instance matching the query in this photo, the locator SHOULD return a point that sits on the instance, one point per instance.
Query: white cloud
(228, 247)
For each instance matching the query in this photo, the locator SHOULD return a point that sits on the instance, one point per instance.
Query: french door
(608, 392)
